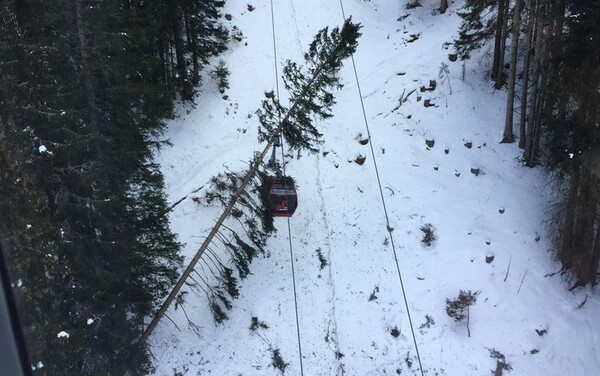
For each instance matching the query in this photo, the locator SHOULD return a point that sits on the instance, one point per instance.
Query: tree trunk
(181, 66)
(498, 39)
(584, 228)
(468, 317)
(537, 126)
(191, 36)
(508, 136)
(525, 86)
(535, 95)
(500, 75)
(567, 235)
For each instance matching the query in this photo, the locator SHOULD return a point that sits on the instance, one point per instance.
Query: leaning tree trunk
(508, 136)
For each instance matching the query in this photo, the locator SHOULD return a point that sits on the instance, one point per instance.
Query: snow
(351, 306)
(62, 334)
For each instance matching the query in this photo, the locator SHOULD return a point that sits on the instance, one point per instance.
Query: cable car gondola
(282, 198)
(279, 192)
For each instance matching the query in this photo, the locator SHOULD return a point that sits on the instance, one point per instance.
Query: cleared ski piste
(340, 213)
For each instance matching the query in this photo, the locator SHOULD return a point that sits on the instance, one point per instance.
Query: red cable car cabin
(282, 198)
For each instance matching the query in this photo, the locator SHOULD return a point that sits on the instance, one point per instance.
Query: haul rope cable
(387, 220)
(288, 218)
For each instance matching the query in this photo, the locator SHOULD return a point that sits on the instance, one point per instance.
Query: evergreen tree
(185, 35)
(571, 113)
(81, 103)
(243, 195)
(310, 89)
(477, 28)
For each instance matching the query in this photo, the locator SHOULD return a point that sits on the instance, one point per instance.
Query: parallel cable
(387, 220)
(284, 177)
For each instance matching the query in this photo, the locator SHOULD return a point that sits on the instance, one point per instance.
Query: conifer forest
(552, 48)
(87, 88)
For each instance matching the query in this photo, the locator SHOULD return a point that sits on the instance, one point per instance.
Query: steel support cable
(387, 220)
(284, 176)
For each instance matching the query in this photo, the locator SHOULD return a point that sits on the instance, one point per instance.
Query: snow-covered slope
(348, 309)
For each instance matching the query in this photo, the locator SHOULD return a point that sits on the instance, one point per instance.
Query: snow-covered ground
(348, 309)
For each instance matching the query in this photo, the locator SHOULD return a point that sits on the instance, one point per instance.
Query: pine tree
(221, 74)
(77, 136)
(243, 194)
(458, 308)
(310, 88)
(477, 28)
(572, 109)
(185, 35)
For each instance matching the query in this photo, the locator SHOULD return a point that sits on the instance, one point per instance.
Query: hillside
(474, 191)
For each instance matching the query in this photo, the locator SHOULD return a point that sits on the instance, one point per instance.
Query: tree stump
(443, 6)
(475, 171)
(429, 142)
(489, 258)
(360, 159)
